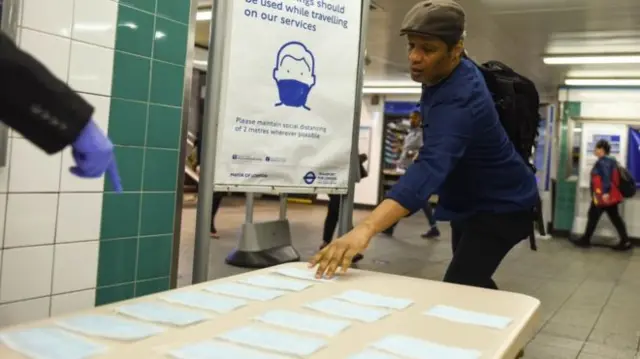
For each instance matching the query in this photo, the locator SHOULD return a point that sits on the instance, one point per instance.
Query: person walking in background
(433, 231)
(217, 196)
(606, 197)
(331, 221)
(412, 141)
(333, 209)
(410, 149)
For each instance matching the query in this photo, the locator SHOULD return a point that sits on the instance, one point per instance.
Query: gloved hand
(93, 153)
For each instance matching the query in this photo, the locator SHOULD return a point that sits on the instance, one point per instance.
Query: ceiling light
(587, 59)
(204, 15)
(392, 90)
(603, 74)
(390, 83)
(602, 82)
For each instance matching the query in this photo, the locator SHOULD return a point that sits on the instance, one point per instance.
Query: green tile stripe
(565, 190)
(136, 238)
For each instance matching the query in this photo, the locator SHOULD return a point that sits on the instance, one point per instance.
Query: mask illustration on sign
(294, 74)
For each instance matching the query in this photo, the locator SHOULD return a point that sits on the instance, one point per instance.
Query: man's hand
(340, 253)
(605, 197)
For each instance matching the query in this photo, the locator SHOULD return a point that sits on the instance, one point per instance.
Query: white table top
(493, 343)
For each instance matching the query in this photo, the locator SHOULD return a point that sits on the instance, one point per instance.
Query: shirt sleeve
(445, 141)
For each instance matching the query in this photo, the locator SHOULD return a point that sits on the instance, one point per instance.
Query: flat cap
(444, 19)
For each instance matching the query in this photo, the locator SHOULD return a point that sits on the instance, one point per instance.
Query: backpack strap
(538, 221)
(532, 241)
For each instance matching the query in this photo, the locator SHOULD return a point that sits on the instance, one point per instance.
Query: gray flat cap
(444, 19)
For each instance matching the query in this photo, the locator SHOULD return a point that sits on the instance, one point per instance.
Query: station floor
(590, 298)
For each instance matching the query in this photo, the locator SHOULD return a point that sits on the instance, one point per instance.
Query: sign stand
(277, 122)
(208, 141)
(345, 222)
(264, 244)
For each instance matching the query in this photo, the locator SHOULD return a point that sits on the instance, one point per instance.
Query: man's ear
(459, 49)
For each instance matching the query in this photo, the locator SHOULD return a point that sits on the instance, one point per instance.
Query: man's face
(414, 119)
(430, 59)
(598, 152)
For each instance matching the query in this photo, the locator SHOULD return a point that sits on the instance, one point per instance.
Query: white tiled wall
(50, 220)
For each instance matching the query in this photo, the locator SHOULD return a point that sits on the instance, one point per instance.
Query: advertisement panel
(288, 98)
(633, 158)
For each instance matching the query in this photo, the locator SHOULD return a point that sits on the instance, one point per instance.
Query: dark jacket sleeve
(445, 142)
(37, 104)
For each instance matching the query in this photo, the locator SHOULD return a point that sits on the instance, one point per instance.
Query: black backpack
(517, 102)
(627, 185)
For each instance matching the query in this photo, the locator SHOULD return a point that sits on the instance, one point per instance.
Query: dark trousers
(481, 242)
(428, 212)
(215, 205)
(539, 218)
(614, 215)
(331, 221)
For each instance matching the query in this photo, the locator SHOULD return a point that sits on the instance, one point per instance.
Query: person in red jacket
(606, 197)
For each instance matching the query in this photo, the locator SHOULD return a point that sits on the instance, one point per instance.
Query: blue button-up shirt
(467, 158)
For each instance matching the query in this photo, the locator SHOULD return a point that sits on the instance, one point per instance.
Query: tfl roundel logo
(309, 178)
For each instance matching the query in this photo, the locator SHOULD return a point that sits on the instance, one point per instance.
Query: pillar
(69, 244)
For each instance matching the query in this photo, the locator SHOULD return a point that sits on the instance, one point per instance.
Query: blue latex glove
(93, 153)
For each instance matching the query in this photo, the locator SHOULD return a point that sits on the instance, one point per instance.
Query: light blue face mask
(299, 322)
(413, 348)
(275, 340)
(245, 291)
(274, 282)
(347, 310)
(162, 314)
(374, 300)
(217, 303)
(469, 317)
(50, 343)
(110, 326)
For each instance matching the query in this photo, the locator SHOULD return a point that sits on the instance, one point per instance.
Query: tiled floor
(590, 298)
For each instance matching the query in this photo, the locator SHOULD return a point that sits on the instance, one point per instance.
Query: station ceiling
(517, 32)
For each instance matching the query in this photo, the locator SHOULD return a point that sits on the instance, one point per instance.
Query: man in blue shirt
(484, 186)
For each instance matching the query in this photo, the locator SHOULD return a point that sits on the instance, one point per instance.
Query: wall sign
(286, 113)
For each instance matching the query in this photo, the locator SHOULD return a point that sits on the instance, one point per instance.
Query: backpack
(517, 102)
(627, 186)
